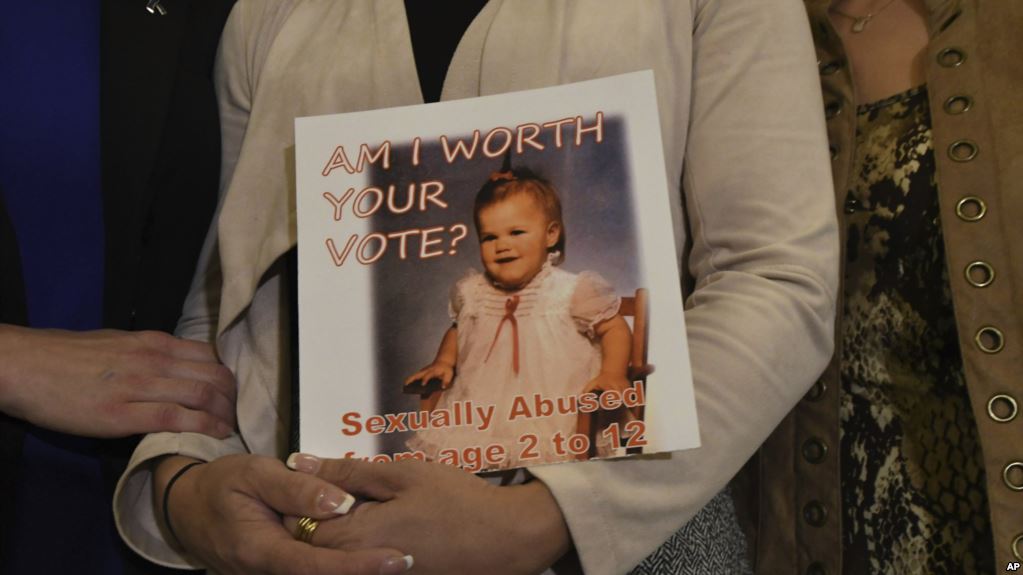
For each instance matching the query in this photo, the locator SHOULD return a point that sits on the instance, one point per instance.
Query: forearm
(541, 527)
(9, 368)
(447, 354)
(138, 497)
(166, 470)
(615, 344)
(764, 241)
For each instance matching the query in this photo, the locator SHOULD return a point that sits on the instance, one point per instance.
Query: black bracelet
(166, 497)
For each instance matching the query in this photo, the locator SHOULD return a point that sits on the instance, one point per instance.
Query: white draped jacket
(747, 161)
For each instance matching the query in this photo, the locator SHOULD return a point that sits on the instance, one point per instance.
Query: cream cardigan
(740, 105)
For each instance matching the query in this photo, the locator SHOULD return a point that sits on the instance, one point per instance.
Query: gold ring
(306, 527)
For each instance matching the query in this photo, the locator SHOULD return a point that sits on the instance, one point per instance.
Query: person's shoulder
(561, 274)
(470, 281)
(262, 18)
(592, 279)
(592, 290)
(470, 277)
(464, 293)
(265, 6)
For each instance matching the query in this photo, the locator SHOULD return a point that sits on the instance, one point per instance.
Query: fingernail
(396, 565)
(303, 462)
(336, 501)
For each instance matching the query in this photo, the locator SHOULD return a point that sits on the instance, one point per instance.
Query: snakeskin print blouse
(912, 474)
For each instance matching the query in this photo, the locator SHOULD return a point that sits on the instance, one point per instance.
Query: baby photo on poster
(489, 291)
(522, 307)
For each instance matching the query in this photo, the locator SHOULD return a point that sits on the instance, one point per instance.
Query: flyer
(491, 283)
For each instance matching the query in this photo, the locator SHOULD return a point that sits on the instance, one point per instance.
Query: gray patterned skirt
(711, 543)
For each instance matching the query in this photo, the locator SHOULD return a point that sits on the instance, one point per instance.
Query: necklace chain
(860, 22)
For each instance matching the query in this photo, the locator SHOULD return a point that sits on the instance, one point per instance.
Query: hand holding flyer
(535, 361)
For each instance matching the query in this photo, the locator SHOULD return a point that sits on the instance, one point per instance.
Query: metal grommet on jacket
(962, 150)
(814, 450)
(829, 68)
(979, 274)
(1014, 468)
(832, 109)
(1002, 408)
(815, 513)
(958, 104)
(951, 57)
(817, 391)
(971, 209)
(1017, 547)
(989, 339)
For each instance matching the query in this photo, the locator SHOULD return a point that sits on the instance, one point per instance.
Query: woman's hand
(226, 514)
(110, 383)
(449, 520)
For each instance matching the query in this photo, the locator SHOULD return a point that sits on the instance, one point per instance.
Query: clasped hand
(450, 521)
(226, 514)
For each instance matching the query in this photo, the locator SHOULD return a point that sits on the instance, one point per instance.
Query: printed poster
(491, 283)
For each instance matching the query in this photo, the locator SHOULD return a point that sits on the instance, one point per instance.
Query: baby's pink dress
(558, 355)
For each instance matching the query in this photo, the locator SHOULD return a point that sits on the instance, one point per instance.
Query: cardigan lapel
(347, 57)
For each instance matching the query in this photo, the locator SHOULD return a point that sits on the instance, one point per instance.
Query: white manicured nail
(336, 501)
(396, 565)
(303, 462)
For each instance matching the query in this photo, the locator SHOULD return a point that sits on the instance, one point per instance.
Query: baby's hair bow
(509, 176)
(506, 172)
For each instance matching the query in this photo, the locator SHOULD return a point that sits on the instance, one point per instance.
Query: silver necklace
(154, 7)
(860, 22)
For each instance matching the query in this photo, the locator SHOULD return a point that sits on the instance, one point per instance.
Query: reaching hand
(114, 383)
(439, 370)
(606, 381)
(451, 521)
(226, 514)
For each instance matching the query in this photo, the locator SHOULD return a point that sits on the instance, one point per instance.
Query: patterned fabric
(913, 482)
(710, 543)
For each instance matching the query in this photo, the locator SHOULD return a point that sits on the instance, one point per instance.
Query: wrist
(541, 526)
(614, 372)
(173, 484)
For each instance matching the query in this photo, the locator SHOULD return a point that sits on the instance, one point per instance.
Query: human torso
(522, 352)
(971, 76)
(913, 482)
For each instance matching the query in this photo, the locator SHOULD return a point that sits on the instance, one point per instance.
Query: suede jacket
(974, 73)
